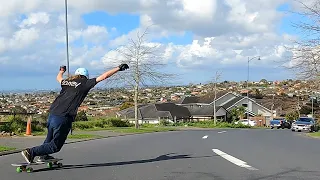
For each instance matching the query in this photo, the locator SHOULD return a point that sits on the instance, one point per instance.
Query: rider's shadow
(165, 157)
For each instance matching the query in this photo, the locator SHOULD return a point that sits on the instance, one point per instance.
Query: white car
(246, 122)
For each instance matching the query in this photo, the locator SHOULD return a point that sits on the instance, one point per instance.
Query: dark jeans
(58, 129)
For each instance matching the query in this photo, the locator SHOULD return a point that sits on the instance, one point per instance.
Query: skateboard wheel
(49, 165)
(24, 168)
(59, 164)
(19, 169)
(29, 170)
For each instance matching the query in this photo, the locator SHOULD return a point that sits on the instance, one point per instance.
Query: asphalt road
(188, 155)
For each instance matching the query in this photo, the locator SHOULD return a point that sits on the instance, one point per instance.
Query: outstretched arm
(109, 73)
(60, 74)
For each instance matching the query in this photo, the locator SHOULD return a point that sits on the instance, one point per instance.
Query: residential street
(255, 154)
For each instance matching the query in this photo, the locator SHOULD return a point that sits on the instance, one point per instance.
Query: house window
(245, 105)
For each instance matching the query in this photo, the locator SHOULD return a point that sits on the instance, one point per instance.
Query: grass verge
(83, 136)
(4, 148)
(314, 134)
(133, 129)
(210, 124)
(111, 129)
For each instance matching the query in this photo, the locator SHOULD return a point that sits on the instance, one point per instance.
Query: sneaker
(27, 156)
(44, 158)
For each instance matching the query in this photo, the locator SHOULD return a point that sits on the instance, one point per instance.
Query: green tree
(44, 117)
(126, 105)
(292, 116)
(81, 116)
(264, 81)
(258, 94)
(237, 113)
(19, 110)
(241, 112)
(305, 110)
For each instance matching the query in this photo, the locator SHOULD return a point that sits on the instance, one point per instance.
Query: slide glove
(63, 68)
(123, 67)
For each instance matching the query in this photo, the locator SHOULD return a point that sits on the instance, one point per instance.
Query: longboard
(24, 166)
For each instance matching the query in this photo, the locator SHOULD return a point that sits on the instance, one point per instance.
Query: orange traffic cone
(28, 130)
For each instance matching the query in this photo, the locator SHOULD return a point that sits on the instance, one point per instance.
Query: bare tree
(146, 67)
(305, 60)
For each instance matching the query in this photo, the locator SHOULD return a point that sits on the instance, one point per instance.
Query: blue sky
(34, 65)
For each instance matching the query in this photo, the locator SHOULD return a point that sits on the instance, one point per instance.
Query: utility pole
(272, 106)
(298, 107)
(258, 58)
(217, 76)
(273, 95)
(312, 107)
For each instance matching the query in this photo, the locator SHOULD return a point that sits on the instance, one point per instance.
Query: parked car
(246, 122)
(280, 123)
(305, 124)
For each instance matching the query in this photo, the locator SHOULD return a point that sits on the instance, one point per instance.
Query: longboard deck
(35, 163)
(23, 166)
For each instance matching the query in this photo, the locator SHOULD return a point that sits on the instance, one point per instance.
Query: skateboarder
(64, 109)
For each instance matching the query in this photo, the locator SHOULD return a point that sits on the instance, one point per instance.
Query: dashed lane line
(233, 160)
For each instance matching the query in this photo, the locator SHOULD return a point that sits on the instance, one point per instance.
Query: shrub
(115, 122)
(81, 116)
(210, 124)
(164, 123)
(146, 125)
(101, 123)
(18, 124)
(5, 128)
(14, 124)
(82, 125)
(231, 125)
(37, 127)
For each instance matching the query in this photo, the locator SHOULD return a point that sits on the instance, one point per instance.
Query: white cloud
(19, 40)
(299, 5)
(24, 37)
(35, 18)
(95, 34)
(225, 32)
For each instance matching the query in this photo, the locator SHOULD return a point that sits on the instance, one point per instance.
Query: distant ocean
(17, 91)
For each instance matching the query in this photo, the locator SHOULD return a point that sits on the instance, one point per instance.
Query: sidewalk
(23, 142)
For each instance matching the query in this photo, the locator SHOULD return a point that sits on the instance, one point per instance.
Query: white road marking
(222, 132)
(233, 160)
(205, 137)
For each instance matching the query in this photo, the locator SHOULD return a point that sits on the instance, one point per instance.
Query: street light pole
(67, 36)
(248, 84)
(67, 43)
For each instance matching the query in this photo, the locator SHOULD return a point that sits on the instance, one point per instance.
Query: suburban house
(198, 108)
(153, 113)
(202, 109)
